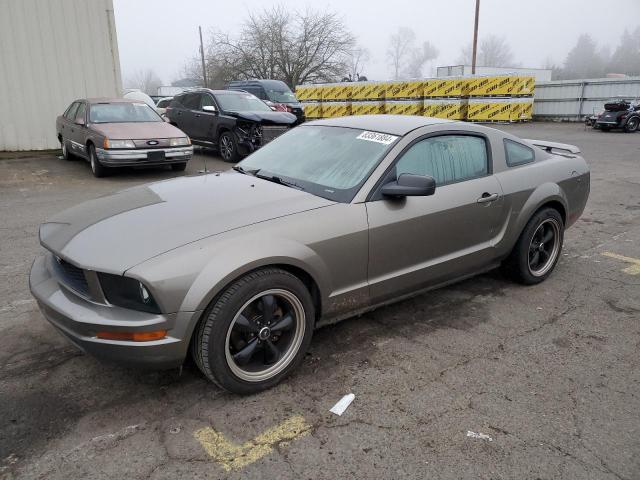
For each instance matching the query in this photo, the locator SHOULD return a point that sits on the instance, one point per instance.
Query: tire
(533, 258)
(66, 154)
(228, 147)
(632, 125)
(233, 342)
(605, 128)
(178, 167)
(97, 168)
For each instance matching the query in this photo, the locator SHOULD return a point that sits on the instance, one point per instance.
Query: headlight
(127, 292)
(181, 141)
(118, 143)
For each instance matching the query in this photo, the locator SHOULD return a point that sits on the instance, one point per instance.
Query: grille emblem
(152, 142)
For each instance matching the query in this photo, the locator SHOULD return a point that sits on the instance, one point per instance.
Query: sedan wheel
(65, 151)
(97, 168)
(256, 332)
(538, 249)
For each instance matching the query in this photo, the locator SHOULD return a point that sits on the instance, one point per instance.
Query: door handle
(487, 197)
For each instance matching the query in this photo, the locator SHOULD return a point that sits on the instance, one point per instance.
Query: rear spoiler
(551, 146)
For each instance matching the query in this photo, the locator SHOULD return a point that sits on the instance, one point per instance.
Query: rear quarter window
(517, 154)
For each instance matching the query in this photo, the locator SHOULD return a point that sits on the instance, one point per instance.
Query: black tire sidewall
(100, 170)
(520, 260)
(210, 339)
(634, 122)
(234, 151)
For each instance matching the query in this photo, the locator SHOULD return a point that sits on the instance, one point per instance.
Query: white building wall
(51, 53)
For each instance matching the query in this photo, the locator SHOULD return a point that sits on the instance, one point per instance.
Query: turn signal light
(133, 336)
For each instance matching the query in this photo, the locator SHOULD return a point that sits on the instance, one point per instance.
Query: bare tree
(400, 48)
(493, 51)
(357, 57)
(145, 80)
(278, 43)
(419, 57)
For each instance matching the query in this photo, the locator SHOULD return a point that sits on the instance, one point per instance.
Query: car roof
(263, 82)
(215, 92)
(110, 100)
(391, 124)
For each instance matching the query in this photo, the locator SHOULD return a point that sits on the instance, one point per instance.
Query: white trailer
(51, 53)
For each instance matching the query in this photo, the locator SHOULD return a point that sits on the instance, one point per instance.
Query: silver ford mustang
(334, 218)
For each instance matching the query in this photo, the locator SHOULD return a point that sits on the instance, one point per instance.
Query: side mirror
(80, 121)
(209, 108)
(409, 185)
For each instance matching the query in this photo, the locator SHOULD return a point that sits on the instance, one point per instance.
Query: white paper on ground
(340, 407)
(481, 436)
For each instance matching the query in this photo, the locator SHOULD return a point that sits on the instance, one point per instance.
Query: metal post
(581, 99)
(475, 39)
(204, 70)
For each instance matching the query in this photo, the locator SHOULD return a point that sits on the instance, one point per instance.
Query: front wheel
(632, 125)
(538, 249)
(256, 332)
(97, 168)
(228, 147)
(66, 154)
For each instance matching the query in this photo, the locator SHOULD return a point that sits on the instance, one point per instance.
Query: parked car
(120, 133)
(332, 219)
(274, 93)
(619, 112)
(236, 123)
(163, 103)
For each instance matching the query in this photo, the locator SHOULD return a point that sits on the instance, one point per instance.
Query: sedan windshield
(281, 96)
(331, 162)
(122, 112)
(241, 102)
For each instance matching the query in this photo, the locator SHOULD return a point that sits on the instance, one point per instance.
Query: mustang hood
(113, 233)
(266, 118)
(137, 130)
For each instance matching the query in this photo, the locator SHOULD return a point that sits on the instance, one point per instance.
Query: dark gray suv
(236, 123)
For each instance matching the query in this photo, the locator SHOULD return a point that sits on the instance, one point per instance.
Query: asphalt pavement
(482, 379)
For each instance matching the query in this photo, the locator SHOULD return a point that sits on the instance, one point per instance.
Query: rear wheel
(256, 333)
(632, 125)
(97, 168)
(228, 147)
(178, 167)
(538, 249)
(65, 151)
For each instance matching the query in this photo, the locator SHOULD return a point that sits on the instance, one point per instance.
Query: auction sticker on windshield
(377, 137)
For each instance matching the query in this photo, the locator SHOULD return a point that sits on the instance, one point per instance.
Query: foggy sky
(163, 34)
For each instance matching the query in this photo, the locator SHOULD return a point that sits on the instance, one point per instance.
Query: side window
(207, 101)
(82, 109)
(177, 101)
(70, 114)
(517, 154)
(260, 93)
(192, 101)
(448, 158)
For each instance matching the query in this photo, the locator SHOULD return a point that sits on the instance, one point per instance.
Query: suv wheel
(256, 332)
(228, 147)
(97, 168)
(632, 125)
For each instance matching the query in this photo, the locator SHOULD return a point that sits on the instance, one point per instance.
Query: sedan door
(418, 242)
(77, 132)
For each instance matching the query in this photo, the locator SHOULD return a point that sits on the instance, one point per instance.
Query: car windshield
(122, 112)
(331, 162)
(281, 96)
(241, 102)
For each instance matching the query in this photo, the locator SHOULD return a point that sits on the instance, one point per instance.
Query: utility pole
(204, 70)
(475, 39)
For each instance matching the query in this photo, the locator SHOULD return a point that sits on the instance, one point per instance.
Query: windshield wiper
(277, 179)
(239, 168)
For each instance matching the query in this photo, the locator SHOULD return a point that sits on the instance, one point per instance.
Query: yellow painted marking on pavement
(634, 269)
(234, 457)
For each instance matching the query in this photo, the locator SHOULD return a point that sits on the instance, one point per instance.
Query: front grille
(71, 276)
(269, 133)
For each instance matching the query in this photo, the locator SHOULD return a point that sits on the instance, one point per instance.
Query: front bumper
(79, 319)
(134, 157)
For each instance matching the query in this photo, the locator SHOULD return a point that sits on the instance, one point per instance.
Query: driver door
(206, 122)
(417, 242)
